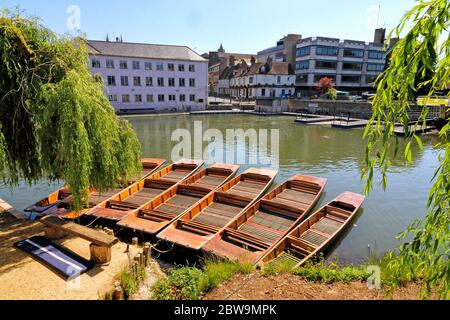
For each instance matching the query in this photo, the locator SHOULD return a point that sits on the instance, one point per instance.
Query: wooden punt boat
(141, 193)
(250, 235)
(167, 207)
(59, 203)
(316, 233)
(208, 217)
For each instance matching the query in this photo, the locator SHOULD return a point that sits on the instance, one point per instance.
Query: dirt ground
(22, 277)
(292, 287)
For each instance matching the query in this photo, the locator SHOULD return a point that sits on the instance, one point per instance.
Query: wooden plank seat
(153, 215)
(101, 242)
(108, 213)
(196, 227)
(242, 238)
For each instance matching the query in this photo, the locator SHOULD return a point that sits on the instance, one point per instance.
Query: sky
(245, 26)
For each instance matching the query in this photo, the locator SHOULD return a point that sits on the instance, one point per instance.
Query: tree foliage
(421, 59)
(325, 84)
(56, 122)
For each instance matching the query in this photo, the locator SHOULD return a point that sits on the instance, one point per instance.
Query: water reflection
(332, 153)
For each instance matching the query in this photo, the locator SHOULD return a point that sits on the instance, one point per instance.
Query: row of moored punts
(215, 211)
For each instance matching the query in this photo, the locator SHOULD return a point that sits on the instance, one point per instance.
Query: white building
(149, 77)
(269, 80)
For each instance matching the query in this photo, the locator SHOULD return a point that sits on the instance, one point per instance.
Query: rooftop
(143, 50)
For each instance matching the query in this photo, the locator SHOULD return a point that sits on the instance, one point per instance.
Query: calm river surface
(335, 154)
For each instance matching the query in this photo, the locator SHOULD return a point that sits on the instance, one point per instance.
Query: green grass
(321, 272)
(191, 283)
(130, 281)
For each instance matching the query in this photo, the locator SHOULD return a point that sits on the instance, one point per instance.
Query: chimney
(252, 61)
(380, 36)
(117, 39)
(232, 60)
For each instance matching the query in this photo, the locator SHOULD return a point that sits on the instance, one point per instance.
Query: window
(160, 82)
(182, 82)
(352, 79)
(250, 80)
(376, 54)
(352, 66)
(110, 64)
(327, 51)
(159, 66)
(375, 67)
(353, 53)
(111, 81)
(148, 66)
(192, 68)
(172, 97)
(95, 63)
(171, 67)
(301, 52)
(283, 92)
(371, 79)
(160, 97)
(191, 82)
(302, 65)
(136, 65)
(123, 64)
(112, 97)
(303, 78)
(182, 97)
(171, 82)
(279, 79)
(320, 76)
(149, 98)
(326, 65)
(137, 98)
(137, 81)
(263, 92)
(149, 81)
(192, 97)
(126, 98)
(181, 67)
(124, 81)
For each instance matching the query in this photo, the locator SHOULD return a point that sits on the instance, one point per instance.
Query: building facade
(149, 77)
(218, 61)
(353, 65)
(284, 51)
(263, 81)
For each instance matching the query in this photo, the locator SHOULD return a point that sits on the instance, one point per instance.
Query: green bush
(190, 283)
(181, 284)
(219, 271)
(280, 267)
(320, 272)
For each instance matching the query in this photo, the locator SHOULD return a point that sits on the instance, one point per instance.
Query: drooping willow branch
(419, 63)
(55, 121)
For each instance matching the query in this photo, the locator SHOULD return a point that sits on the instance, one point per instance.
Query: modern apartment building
(284, 51)
(353, 65)
(150, 77)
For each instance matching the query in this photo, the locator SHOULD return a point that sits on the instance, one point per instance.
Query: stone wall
(360, 110)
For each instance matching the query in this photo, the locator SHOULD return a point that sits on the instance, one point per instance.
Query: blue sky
(244, 26)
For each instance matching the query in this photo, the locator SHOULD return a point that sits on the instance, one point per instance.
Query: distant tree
(325, 84)
(332, 94)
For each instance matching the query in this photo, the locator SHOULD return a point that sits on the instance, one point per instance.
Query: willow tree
(423, 52)
(55, 121)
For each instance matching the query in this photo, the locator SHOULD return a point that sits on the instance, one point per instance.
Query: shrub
(218, 271)
(320, 272)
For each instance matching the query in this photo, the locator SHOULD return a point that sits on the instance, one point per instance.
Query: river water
(335, 154)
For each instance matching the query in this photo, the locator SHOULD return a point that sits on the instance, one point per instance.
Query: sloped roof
(142, 50)
(280, 68)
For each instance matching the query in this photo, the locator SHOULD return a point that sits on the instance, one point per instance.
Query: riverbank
(24, 278)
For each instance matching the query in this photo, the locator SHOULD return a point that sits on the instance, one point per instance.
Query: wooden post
(100, 254)
(147, 253)
(118, 293)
